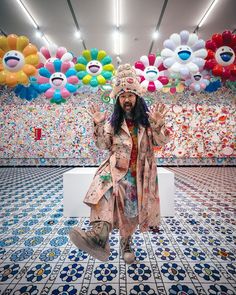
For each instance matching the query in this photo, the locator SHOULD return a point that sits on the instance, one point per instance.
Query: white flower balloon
(184, 53)
(198, 81)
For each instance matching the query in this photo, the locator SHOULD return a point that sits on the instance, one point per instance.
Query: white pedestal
(166, 187)
(76, 183)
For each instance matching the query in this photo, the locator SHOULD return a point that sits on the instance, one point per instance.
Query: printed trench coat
(116, 166)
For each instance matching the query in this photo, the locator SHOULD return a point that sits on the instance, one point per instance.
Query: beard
(128, 109)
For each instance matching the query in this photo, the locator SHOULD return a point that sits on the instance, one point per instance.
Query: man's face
(127, 101)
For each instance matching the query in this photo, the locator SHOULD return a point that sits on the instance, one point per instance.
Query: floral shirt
(131, 199)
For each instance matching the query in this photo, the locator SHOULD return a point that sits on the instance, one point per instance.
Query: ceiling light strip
(159, 23)
(206, 14)
(33, 21)
(117, 36)
(75, 20)
(26, 11)
(117, 13)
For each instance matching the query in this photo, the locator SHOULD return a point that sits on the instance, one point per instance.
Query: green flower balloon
(94, 67)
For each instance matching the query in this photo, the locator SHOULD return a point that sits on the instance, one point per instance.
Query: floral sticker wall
(203, 127)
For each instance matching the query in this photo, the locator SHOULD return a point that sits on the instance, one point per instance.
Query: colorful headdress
(126, 80)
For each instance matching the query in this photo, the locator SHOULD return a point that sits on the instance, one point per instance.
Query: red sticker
(130, 80)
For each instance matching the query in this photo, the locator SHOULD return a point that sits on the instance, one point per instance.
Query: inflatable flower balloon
(18, 60)
(151, 72)
(28, 92)
(184, 53)
(50, 53)
(94, 67)
(221, 55)
(58, 80)
(198, 81)
(213, 85)
(175, 85)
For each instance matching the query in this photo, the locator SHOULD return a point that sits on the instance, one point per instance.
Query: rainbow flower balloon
(18, 60)
(50, 53)
(58, 80)
(94, 67)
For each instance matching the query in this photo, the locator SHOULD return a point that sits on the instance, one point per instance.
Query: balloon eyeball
(58, 80)
(151, 73)
(94, 68)
(13, 61)
(184, 53)
(225, 55)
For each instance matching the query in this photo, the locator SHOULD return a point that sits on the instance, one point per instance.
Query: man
(124, 191)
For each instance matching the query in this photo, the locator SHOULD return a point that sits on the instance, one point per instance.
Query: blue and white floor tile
(193, 253)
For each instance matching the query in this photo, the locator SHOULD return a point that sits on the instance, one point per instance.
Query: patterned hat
(126, 80)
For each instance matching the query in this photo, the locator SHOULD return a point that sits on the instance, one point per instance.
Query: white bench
(76, 183)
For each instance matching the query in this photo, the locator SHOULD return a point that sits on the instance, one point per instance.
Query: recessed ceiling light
(77, 34)
(155, 35)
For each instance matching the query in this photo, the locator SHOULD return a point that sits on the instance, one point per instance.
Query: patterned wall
(203, 130)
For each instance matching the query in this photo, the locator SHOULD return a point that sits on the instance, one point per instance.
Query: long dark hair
(139, 114)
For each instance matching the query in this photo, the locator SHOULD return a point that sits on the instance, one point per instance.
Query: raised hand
(157, 113)
(96, 114)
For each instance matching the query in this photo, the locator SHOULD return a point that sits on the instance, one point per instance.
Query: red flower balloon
(221, 57)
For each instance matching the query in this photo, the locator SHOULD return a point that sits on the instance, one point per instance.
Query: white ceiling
(96, 19)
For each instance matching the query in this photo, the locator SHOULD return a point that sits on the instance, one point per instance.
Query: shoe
(95, 241)
(126, 250)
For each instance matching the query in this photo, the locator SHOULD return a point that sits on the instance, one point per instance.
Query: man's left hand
(157, 113)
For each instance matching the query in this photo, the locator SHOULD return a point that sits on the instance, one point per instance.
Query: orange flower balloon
(18, 60)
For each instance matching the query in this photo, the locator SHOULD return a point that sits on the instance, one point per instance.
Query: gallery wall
(203, 128)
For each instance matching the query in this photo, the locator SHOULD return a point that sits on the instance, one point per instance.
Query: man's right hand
(96, 114)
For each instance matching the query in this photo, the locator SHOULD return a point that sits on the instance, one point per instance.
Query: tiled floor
(194, 252)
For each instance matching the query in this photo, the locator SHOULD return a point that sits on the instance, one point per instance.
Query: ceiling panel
(97, 22)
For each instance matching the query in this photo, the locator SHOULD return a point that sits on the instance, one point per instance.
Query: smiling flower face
(151, 72)
(198, 81)
(18, 60)
(94, 67)
(225, 55)
(13, 61)
(184, 54)
(58, 80)
(221, 55)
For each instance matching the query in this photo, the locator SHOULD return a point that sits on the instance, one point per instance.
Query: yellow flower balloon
(18, 60)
